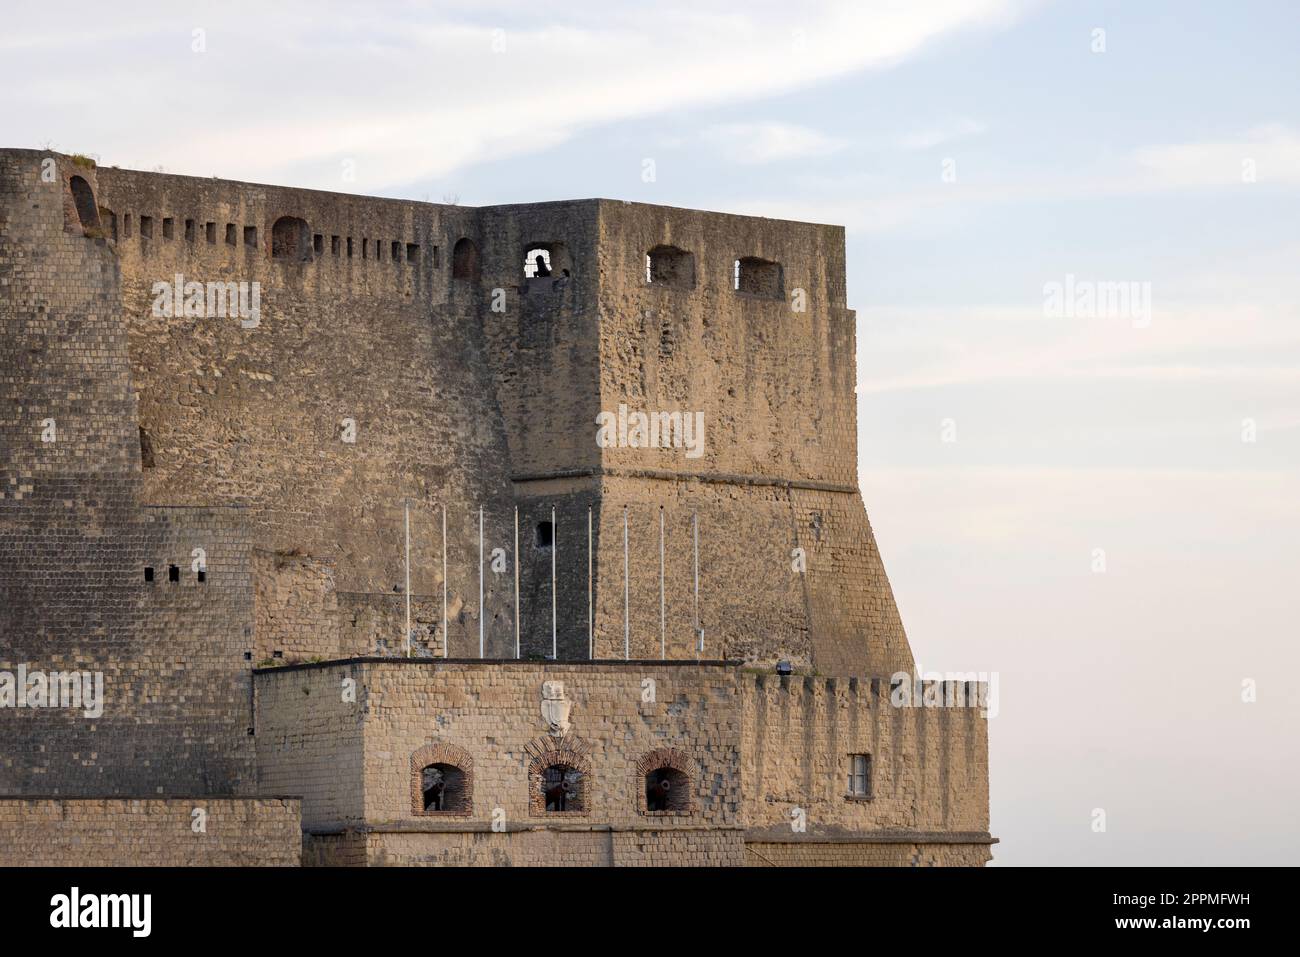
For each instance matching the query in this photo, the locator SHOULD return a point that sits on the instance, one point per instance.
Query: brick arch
(569, 751)
(672, 759)
(442, 753)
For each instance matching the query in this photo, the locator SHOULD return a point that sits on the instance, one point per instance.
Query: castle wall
(774, 378)
(75, 546)
(152, 832)
(929, 765)
(489, 716)
(254, 416)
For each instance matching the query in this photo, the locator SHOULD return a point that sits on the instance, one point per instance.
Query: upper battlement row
(147, 215)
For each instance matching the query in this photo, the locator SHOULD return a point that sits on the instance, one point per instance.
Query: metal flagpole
(555, 550)
(695, 534)
(516, 581)
(446, 638)
(481, 616)
(408, 578)
(663, 627)
(627, 640)
(591, 644)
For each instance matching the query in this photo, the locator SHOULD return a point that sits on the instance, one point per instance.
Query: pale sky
(976, 152)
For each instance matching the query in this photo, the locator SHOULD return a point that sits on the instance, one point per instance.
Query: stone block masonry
(206, 509)
(151, 832)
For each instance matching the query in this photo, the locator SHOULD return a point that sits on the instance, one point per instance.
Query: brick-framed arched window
(559, 778)
(666, 780)
(442, 781)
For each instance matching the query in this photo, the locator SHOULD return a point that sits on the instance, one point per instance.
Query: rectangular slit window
(397, 251)
(349, 247)
(250, 235)
(859, 775)
(173, 573)
(230, 234)
(318, 244)
(168, 227)
(189, 230)
(146, 227)
(334, 245)
(412, 252)
(126, 225)
(210, 231)
(203, 575)
(148, 573)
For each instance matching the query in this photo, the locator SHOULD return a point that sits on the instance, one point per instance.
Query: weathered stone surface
(401, 358)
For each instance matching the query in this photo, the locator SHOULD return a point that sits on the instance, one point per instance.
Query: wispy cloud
(288, 92)
(1267, 154)
(933, 136)
(768, 142)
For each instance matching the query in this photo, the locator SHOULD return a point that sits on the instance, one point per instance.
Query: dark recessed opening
(146, 227)
(670, 266)
(349, 247)
(83, 198)
(189, 230)
(412, 252)
(561, 788)
(232, 235)
(148, 573)
(667, 789)
(759, 277)
(169, 227)
(334, 245)
(465, 260)
(291, 239)
(318, 244)
(146, 449)
(545, 535)
(443, 787)
(173, 573)
(397, 251)
(210, 232)
(203, 574)
(250, 235)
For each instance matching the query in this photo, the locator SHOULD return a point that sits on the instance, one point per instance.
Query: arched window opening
(537, 263)
(291, 239)
(442, 780)
(667, 790)
(562, 788)
(670, 266)
(442, 788)
(83, 198)
(465, 263)
(759, 277)
(546, 267)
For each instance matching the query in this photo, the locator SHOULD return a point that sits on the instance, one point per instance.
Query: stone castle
(315, 487)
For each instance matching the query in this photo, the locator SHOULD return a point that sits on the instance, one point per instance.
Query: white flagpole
(516, 581)
(446, 639)
(555, 550)
(695, 534)
(663, 626)
(627, 639)
(591, 643)
(408, 578)
(481, 613)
